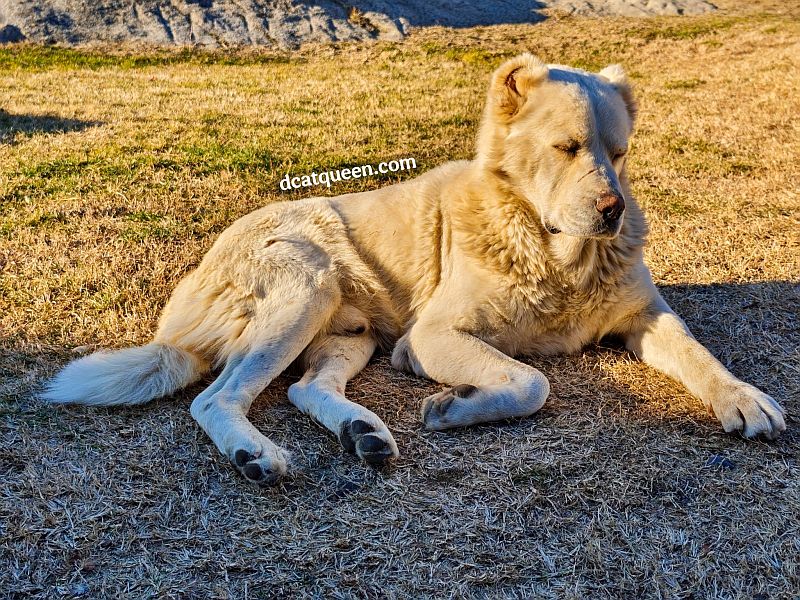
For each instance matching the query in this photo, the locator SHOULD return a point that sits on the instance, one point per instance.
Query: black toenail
(346, 438)
(358, 427)
(253, 471)
(371, 443)
(464, 390)
(242, 457)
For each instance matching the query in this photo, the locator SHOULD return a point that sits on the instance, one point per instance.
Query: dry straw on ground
(117, 173)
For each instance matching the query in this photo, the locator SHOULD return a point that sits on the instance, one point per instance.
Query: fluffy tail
(129, 376)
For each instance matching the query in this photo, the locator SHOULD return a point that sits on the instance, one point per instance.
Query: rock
(632, 8)
(10, 34)
(283, 23)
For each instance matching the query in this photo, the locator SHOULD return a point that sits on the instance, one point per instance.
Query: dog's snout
(610, 206)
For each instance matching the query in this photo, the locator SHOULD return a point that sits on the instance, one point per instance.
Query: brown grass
(118, 169)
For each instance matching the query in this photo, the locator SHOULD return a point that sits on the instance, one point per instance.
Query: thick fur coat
(533, 247)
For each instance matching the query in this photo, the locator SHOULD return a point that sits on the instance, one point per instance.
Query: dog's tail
(129, 376)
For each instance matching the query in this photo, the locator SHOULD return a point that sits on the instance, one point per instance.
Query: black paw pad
(350, 432)
(260, 475)
(242, 457)
(374, 450)
(359, 427)
(464, 390)
(371, 443)
(253, 471)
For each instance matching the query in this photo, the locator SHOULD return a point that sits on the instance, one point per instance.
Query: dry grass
(118, 170)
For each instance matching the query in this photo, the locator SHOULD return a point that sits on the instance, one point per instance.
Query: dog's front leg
(487, 384)
(661, 339)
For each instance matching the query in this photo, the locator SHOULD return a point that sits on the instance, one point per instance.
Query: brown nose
(610, 206)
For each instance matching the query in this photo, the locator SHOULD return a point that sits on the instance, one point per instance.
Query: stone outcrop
(283, 23)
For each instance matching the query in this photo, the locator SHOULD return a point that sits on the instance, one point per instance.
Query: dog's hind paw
(259, 467)
(374, 445)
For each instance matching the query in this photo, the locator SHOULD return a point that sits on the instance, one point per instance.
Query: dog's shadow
(752, 328)
(13, 127)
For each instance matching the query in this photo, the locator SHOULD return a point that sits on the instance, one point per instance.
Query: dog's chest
(555, 316)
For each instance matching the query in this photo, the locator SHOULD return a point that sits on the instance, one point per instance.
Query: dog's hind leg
(280, 329)
(332, 360)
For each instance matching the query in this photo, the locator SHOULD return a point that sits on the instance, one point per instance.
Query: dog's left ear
(617, 77)
(511, 84)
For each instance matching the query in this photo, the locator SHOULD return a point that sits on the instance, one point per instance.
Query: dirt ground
(119, 168)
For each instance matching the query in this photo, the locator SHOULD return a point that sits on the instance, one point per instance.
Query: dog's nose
(610, 206)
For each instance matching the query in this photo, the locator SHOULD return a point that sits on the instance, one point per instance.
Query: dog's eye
(569, 148)
(618, 155)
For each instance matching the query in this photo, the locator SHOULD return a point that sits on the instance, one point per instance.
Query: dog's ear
(512, 83)
(617, 77)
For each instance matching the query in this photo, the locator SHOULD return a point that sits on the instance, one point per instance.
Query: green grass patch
(79, 174)
(59, 168)
(29, 57)
(706, 156)
(210, 156)
(659, 199)
(470, 56)
(685, 145)
(71, 174)
(151, 231)
(688, 30)
(684, 84)
(47, 219)
(142, 216)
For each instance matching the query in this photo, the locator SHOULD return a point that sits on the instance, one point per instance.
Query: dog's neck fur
(505, 229)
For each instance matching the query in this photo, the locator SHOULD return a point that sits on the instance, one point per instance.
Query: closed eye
(618, 155)
(570, 147)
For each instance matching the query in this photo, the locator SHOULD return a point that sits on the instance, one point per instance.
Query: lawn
(118, 169)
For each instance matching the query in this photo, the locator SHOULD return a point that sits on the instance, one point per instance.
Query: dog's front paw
(747, 409)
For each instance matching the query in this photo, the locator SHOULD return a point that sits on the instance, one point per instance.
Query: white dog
(533, 247)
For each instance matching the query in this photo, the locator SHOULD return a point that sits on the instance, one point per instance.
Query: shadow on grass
(752, 328)
(12, 126)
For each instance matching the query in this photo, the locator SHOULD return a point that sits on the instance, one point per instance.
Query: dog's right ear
(512, 83)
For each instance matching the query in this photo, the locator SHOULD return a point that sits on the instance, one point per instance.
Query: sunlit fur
(456, 272)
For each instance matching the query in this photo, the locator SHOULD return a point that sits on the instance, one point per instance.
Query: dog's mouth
(611, 227)
(551, 228)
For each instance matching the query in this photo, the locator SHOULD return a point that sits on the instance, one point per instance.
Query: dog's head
(559, 137)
